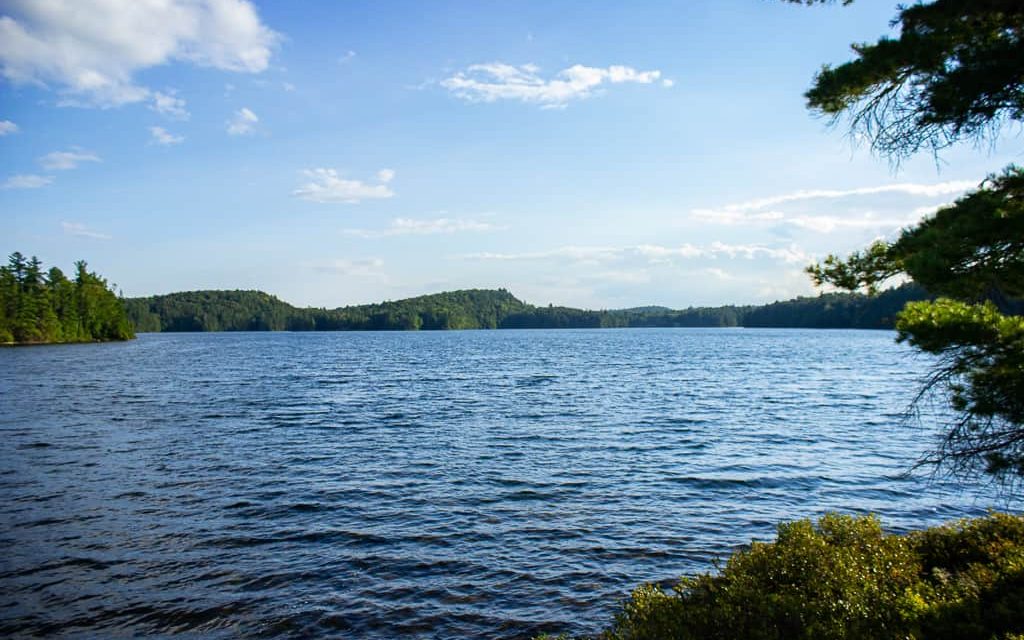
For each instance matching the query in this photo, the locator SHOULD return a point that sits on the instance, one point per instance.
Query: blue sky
(590, 154)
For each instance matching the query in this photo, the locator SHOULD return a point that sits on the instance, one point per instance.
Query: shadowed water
(457, 484)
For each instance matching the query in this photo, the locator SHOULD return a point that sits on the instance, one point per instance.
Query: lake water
(436, 485)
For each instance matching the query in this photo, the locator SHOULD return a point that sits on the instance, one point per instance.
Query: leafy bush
(844, 578)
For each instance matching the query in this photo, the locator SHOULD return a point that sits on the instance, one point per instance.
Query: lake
(435, 485)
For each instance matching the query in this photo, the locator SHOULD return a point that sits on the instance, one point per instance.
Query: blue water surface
(435, 485)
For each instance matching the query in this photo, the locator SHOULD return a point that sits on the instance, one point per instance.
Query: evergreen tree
(955, 72)
(37, 307)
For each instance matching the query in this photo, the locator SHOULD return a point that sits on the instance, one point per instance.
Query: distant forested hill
(211, 311)
(836, 310)
(496, 309)
(258, 311)
(45, 307)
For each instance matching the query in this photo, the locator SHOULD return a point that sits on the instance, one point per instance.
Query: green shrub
(844, 578)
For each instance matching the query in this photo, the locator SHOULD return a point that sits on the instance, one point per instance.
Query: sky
(599, 155)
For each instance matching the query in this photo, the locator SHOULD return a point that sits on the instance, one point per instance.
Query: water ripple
(430, 485)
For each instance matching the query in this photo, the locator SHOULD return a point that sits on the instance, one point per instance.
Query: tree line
(497, 309)
(46, 307)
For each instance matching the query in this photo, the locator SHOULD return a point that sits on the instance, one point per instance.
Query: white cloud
(90, 50)
(728, 217)
(499, 81)
(926, 190)
(571, 253)
(657, 253)
(622, 276)
(327, 186)
(363, 268)
(745, 213)
(164, 137)
(720, 274)
(6, 127)
(789, 255)
(170, 105)
(243, 123)
(668, 84)
(654, 254)
(23, 181)
(828, 224)
(346, 57)
(80, 230)
(414, 227)
(64, 160)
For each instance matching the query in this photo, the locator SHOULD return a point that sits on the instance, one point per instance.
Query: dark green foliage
(973, 252)
(844, 578)
(972, 249)
(466, 309)
(954, 71)
(211, 311)
(40, 308)
(981, 371)
(836, 310)
(257, 311)
(499, 309)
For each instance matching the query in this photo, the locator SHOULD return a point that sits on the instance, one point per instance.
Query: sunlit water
(458, 484)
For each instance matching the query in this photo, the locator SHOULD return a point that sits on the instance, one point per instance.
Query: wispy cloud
(790, 255)
(327, 186)
(729, 217)
(499, 81)
(754, 211)
(170, 105)
(415, 227)
(65, 160)
(242, 123)
(346, 57)
(91, 50)
(7, 127)
(572, 253)
(164, 137)
(80, 230)
(26, 181)
(929, 190)
(362, 268)
(653, 254)
(828, 224)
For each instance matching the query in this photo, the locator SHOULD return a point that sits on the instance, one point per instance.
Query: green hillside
(496, 309)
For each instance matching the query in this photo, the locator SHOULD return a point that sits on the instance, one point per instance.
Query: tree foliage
(973, 249)
(981, 371)
(953, 72)
(497, 309)
(842, 578)
(37, 307)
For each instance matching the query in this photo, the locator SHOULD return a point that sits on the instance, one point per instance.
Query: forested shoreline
(498, 309)
(38, 307)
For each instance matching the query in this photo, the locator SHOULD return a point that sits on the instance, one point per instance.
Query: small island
(48, 308)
